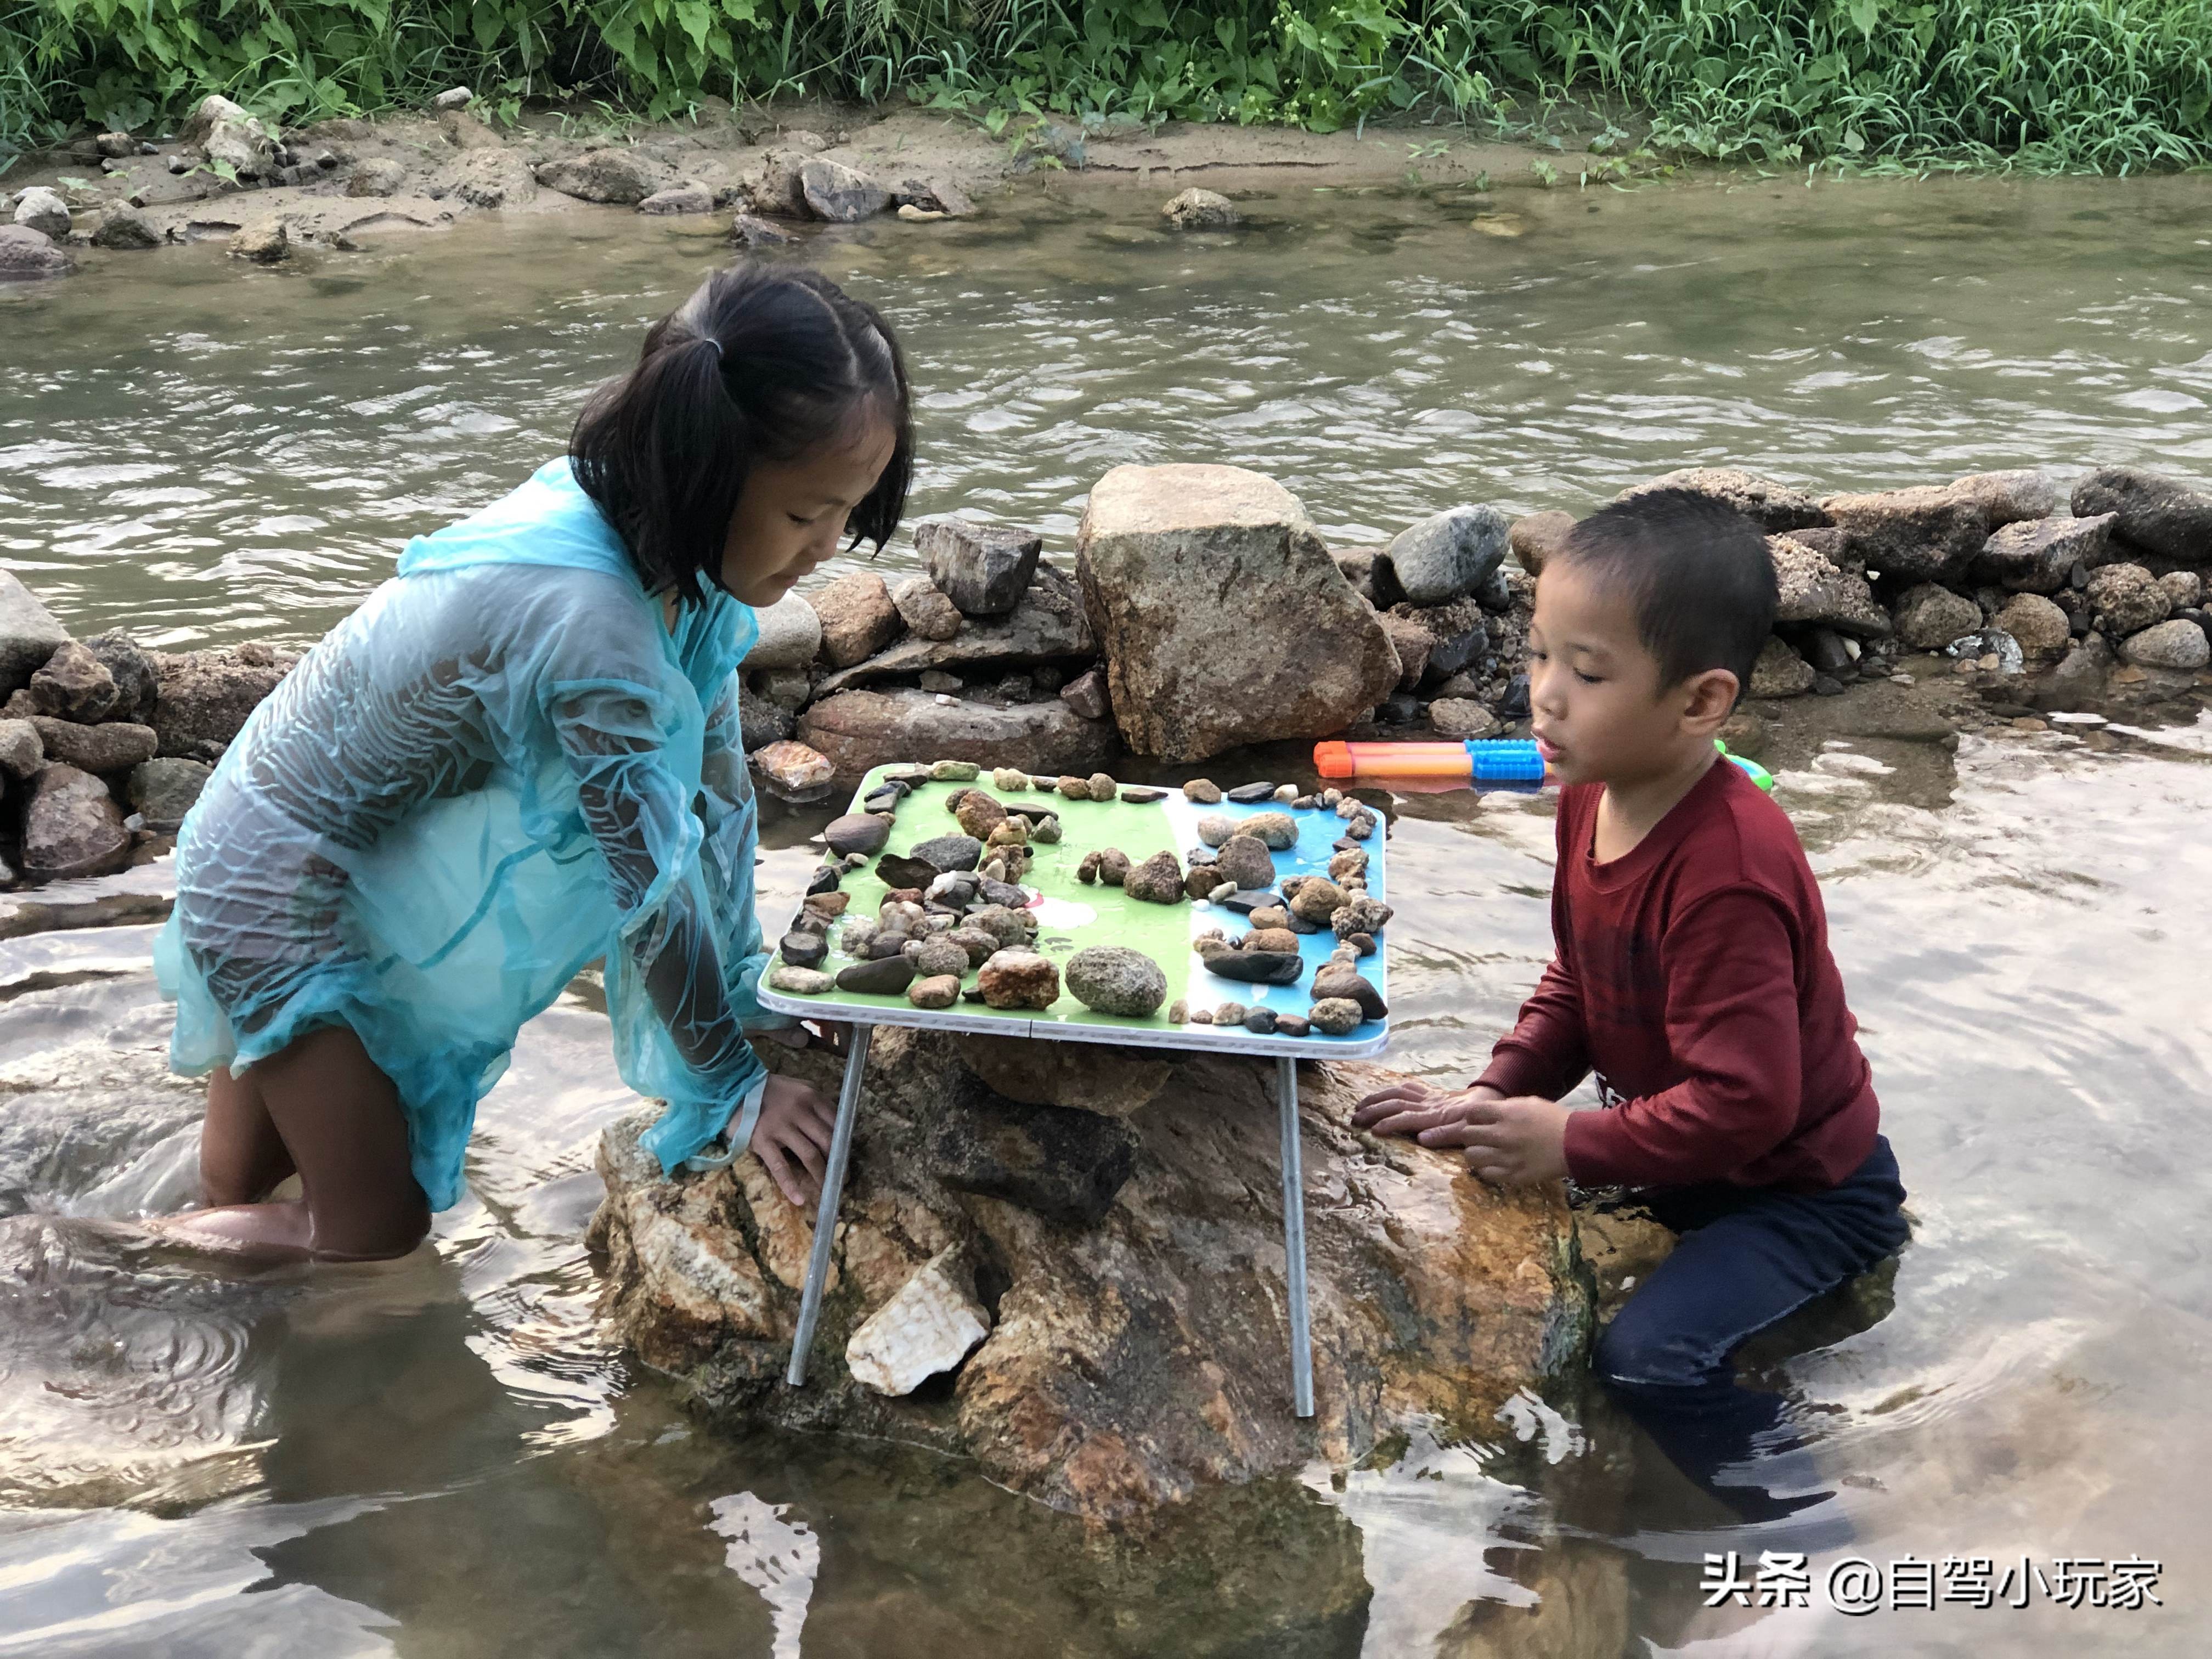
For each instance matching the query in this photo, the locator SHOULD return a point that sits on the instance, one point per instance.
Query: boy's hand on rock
(1519, 1141)
(1411, 1107)
(791, 1139)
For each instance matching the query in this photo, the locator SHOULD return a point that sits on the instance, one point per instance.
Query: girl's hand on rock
(791, 1139)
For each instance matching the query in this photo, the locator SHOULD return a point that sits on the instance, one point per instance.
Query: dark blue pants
(1747, 1257)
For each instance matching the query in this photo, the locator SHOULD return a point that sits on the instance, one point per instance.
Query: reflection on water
(241, 453)
(440, 1457)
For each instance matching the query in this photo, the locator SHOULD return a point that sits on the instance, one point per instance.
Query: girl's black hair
(760, 364)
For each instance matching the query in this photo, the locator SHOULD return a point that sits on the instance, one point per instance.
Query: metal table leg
(1294, 1239)
(825, 1216)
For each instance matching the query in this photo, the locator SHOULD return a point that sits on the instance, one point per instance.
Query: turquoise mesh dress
(503, 766)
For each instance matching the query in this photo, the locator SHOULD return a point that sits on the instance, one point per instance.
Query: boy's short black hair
(760, 364)
(1696, 572)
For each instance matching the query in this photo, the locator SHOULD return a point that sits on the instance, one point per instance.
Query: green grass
(2112, 86)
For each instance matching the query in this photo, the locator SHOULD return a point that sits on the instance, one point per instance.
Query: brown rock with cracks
(205, 697)
(74, 685)
(1129, 1372)
(72, 827)
(1535, 539)
(1772, 506)
(1222, 619)
(1813, 589)
(858, 730)
(116, 746)
(858, 617)
(2038, 555)
(926, 612)
(1927, 533)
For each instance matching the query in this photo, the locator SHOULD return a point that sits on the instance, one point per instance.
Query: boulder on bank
(44, 211)
(843, 195)
(1813, 589)
(2179, 645)
(162, 791)
(858, 617)
(2127, 598)
(2162, 515)
(29, 255)
(1448, 555)
(622, 176)
(226, 134)
(1535, 537)
(1222, 619)
(72, 827)
(2042, 629)
(857, 729)
(983, 569)
(1927, 533)
(2038, 555)
(790, 636)
(1930, 616)
(29, 634)
(1779, 671)
(206, 696)
(1772, 507)
(113, 746)
(1127, 1369)
(1047, 626)
(73, 684)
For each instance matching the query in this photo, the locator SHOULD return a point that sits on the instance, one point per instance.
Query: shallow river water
(440, 1458)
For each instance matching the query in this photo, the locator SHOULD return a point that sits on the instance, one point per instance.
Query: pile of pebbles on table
(955, 906)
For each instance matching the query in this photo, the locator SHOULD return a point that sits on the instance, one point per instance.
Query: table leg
(1294, 1239)
(825, 1216)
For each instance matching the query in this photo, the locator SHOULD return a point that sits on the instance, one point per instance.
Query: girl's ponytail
(760, 364)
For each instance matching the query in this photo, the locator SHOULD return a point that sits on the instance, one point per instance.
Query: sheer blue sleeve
(683, 985)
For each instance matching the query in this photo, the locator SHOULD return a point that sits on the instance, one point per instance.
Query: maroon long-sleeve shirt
(1693, 976)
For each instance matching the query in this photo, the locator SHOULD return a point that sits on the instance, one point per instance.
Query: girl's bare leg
(242, 1158)
(338, 1120)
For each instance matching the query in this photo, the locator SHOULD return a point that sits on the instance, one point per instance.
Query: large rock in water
(1223, 618)
(1134, 1362)
(29, 635)
(2163, 515)
(1047, 626)
(1813, 589)
(861, 729)
(1448, 555)
(28, 254)
(72, 827)
(206, 696)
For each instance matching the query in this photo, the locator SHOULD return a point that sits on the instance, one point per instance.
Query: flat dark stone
(1256, 966)
(1245, 794)
(1260, 1022)
(886, 976)
(856, 832)
(1006, 893)
(1345, 844)
(949, 853)
(1249, 899)
(1292, 1025)
(887, 945)
(1141, 797)
(1300, 925)
(825, 879)
(803, 950)
(895, 871)
(884, 801)
(912, 778)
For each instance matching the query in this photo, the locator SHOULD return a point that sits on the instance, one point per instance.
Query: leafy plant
(1868, 85)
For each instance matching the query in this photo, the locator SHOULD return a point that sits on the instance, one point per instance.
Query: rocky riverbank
(764, 175)
(1203, 613)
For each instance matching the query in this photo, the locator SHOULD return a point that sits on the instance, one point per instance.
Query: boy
(1691, 974)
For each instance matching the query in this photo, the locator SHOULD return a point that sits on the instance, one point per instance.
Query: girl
(520, 754)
